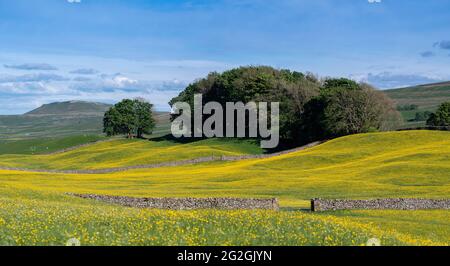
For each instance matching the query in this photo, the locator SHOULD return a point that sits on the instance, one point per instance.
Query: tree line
(310, 108)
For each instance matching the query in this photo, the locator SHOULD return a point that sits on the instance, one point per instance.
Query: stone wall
(379, 204)
(187, 203)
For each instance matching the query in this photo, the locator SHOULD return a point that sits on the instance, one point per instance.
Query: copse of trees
(259, 84)
(129, 117)
(441, 118)
(310, 108)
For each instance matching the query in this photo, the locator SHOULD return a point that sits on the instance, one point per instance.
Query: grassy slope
(45, 145)
(427, 97)
(395, 164)
(18, 127)
(123, 152)
(64, 119)
(30, 218)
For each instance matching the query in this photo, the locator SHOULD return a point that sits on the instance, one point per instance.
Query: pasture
(34, 209)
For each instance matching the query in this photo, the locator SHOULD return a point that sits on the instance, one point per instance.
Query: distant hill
(426, 97)
(71, 108)
(62, 119)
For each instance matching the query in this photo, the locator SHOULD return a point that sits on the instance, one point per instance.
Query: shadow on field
(283, 145)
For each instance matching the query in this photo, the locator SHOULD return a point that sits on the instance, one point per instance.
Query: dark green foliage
(130, 117)
(407, 107)
(348, 108)
(333, 83)
(144, 122)
(441, 117)
(259, 84)
(421, 116)
(309, 110)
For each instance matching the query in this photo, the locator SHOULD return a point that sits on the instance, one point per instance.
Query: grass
(25, 127)
(124, 152)
(50, 219)
(393, 164)
(19, 127)
(425, 225)
(46, 145)
(426, 97)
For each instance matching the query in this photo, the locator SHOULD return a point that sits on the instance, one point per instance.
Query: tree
(129, 117)
(347, 109)
(422, 116)
(310, 109)
(333, 83)
(259, 84)
(441, 117)
(145, 122)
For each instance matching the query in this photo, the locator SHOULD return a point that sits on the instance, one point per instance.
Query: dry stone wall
(187, 203)
(379, 204)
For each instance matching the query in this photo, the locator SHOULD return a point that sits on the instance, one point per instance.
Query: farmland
(426, 97)
(394, 164)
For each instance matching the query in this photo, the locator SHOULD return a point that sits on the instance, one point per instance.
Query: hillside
(427, 97)
(45, 145)
(125, 152)
(393, 164)
(71, 108)
(386, 165)
(61, 119)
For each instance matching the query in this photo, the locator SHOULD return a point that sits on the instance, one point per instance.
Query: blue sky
(106, 50)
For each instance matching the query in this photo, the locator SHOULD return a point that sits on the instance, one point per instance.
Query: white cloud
(74, 1)
(39, 77)
(156, 80)
(390, 80)
(31, 67)
(374, 1)
(85, 71)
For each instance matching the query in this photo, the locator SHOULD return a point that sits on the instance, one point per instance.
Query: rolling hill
(61, 119)
(387, 165)
(427, 97)
(45, 145)
(71, 108)
(126, 152)
(392, 164)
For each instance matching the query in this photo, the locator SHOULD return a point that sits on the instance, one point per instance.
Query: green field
(63, 119)
(45, 145)
(394, 164)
